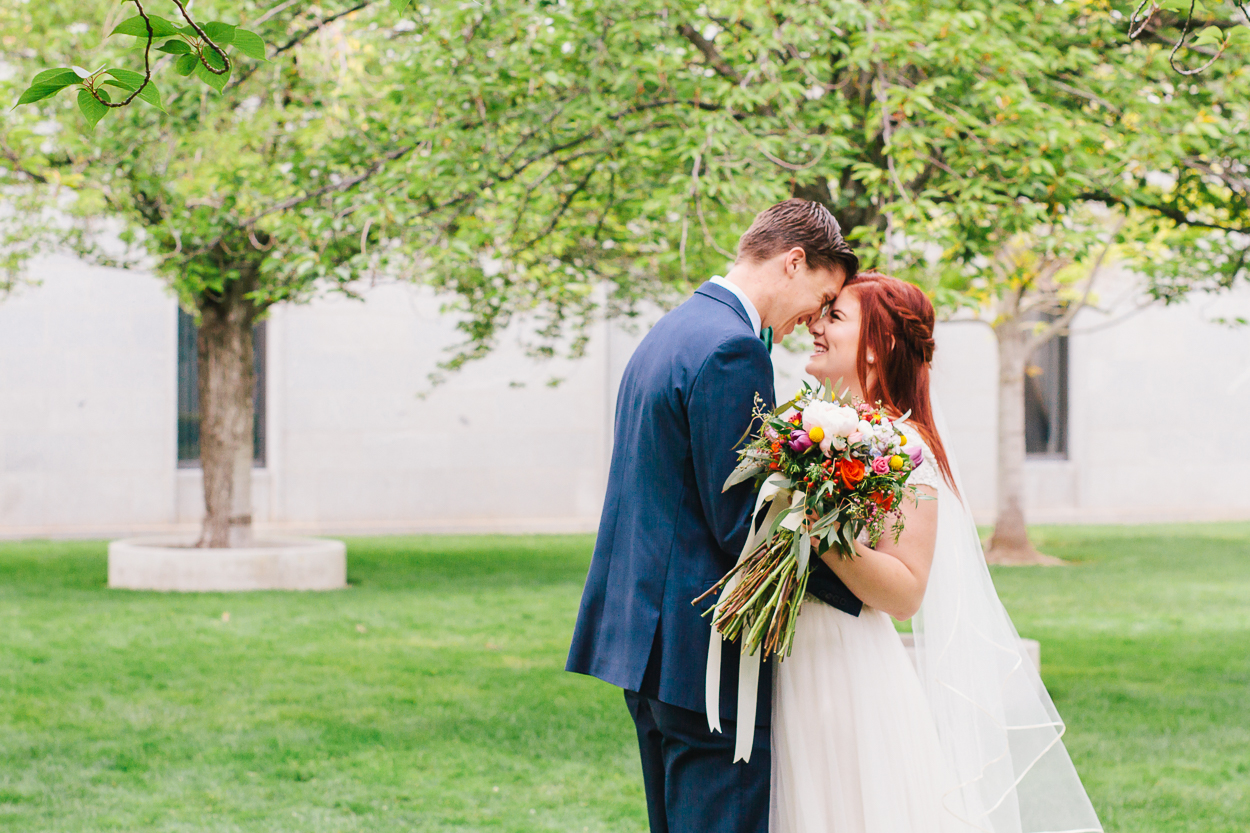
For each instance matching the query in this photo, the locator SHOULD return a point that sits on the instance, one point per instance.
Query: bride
(862, 742)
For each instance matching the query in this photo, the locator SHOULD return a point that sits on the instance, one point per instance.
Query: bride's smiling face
(836, 336)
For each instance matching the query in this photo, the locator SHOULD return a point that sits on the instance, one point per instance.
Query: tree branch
(1088, 96)
(300, 37)
(1174, 214)
(714, 59)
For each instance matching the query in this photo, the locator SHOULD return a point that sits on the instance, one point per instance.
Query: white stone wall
(88, 427)
(88, 417)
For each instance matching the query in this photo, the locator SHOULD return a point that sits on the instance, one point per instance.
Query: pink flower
(855, 437)
(880, 466)
(770, 433)
(916, 452)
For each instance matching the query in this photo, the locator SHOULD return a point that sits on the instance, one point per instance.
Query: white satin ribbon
(777, 490)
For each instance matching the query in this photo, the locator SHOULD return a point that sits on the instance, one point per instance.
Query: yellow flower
(902, 439)
(816, 433)
(896, 462)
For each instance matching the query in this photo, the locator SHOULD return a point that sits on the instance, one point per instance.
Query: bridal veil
(995, 719)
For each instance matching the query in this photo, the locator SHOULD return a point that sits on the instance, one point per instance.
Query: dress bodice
(926, 474)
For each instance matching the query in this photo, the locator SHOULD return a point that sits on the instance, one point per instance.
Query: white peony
(835, 420)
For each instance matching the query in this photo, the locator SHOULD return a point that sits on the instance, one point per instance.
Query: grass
(430, 695)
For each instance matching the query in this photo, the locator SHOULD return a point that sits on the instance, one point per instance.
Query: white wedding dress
(863, 743)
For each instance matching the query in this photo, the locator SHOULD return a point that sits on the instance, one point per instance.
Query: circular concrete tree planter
(174, 563)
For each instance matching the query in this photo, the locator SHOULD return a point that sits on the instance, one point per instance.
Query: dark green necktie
(767, 335)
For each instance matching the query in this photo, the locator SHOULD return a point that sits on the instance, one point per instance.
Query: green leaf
(135, 26)
(128, 78)
(38, 92)
(250, 44)
(1238, 34)
(177, 46)
(152, 96)
(92, 110)
(1211, 34)
(398, 6)
(212, 57)
(133, 81)
(186, 65)
(217, 82)
(219, 33)
(745, 471)
(55, 76)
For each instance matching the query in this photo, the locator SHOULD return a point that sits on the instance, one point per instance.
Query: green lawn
(430, 695)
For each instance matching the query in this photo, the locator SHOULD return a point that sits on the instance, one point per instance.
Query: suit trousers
(692, 785)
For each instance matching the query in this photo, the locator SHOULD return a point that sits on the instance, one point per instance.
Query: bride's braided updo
(896, 329)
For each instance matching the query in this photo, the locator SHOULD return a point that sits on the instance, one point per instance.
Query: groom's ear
(794, 260)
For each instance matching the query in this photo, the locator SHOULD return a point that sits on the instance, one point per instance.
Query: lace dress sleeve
(927, 474)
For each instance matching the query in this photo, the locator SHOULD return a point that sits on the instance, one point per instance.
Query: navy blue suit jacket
(667, 532)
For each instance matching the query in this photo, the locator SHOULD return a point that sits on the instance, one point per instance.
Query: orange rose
(851, 471)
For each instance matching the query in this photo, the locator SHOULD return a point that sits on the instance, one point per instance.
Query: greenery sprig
(1214, 36)
(200, 49)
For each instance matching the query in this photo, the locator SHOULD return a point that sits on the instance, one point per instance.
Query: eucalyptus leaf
(781, 409)
(745, 471)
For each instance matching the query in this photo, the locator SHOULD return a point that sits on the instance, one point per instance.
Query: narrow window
(1046, 400)
(189, 395)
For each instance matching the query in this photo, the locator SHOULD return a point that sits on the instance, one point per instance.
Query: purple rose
(880, 465)
(916, 452)
(800, 442)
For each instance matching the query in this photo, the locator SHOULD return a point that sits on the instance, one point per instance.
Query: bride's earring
(870, 358)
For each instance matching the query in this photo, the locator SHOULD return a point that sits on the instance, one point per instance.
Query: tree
(997, 153)
(435, 146)
(264, 194)
(516, 154)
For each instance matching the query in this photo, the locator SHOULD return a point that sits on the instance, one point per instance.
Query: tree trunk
(1010, 542)
(226, 384)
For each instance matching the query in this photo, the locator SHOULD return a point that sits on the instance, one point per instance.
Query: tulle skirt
(854, 745)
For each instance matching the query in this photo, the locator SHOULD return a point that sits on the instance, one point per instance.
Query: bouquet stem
(764, 606)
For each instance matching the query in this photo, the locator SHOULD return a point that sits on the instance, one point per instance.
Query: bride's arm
(893, 576)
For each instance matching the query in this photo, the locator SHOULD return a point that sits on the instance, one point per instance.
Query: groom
(667, 533)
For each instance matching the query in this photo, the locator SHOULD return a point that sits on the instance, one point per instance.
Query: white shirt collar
(752, 312)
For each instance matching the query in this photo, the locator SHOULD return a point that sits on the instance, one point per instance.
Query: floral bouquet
(832, 470)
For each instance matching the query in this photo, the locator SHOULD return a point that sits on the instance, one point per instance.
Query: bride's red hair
(896, 327)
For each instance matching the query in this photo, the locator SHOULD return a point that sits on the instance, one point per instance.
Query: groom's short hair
(803, 223)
